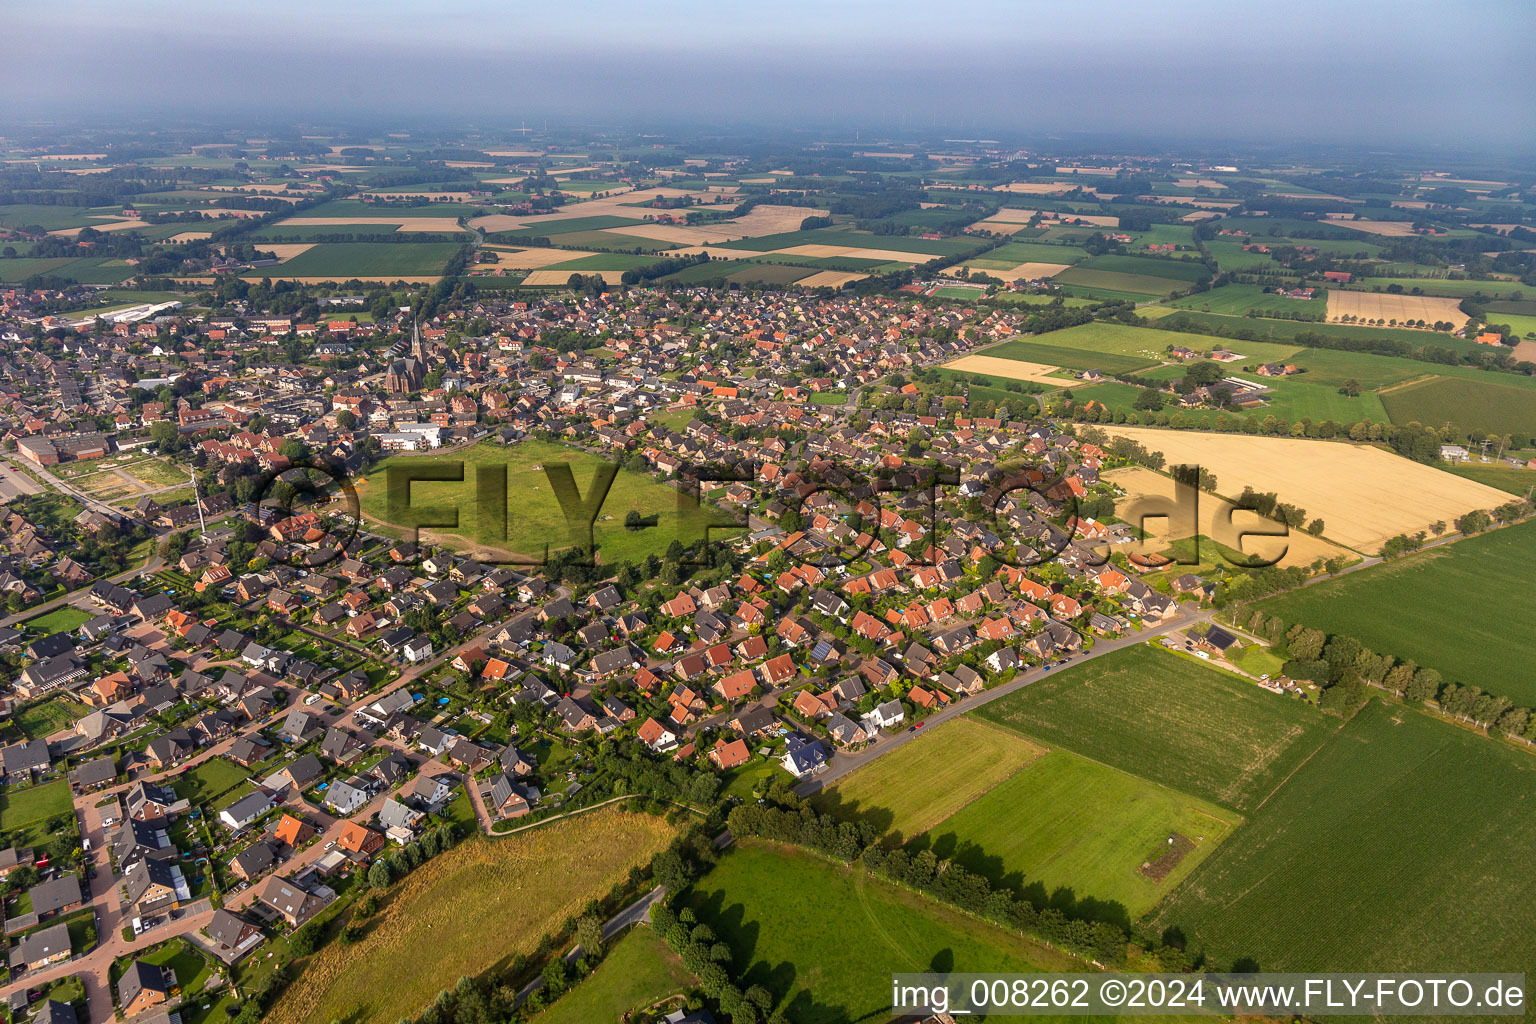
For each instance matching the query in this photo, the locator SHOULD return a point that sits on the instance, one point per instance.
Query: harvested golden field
(830, 279)
(1386, 228)
(1299, 548)
(534, 259)
(467, 910)
(1385, 306)
(285, 250)
(190, 236)
(559, 277)
(1364, 495)
(1013, 369)
(760, 220)
(820, 251)
(1013, 215)
(1035, 188)
(115, 225)
(715, 252)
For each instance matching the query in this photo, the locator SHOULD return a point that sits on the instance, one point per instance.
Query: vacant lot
(1171, 720)
(1010, 369)
(534, 517)
(1445, 608)
(63, 619)
(20, 808)
(920, 784)
(1064, 821)
(1146, 491)
(1486, 405)
(1387, 308)
(39, 721)
(636, 973)
(1428, 837)
(467, 910)
(825, 939)
(1364, 495)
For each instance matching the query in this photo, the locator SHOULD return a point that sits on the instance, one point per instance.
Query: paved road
(844, 762)
(14, 483)
(637, 912)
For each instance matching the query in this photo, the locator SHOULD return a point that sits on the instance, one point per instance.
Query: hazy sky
(1375, 72)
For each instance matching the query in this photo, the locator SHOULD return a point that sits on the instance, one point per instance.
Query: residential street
(94, 965)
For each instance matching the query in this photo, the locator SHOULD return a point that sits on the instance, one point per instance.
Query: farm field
(1514, 479)
(1113, 285)
(1487, 405)
(1365, 495)
(1187, 271)
(759, 898)
(1066, 822)
(341, 260)
(534, 515)
(1299, 399)
(440, 917)
(1173, 721)
(1428, 837)
(1051, 353)
(637, 972)
(1036, 252)
(1143, 485)
(1008, 369)
(1388, 307)
(1445, 286)
(1238, 299)
(970, 758)
(1439, 607)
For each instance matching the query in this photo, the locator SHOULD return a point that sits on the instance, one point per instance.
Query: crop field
(768, 273)
(534, 516)
(760, 898)
(1264, 329)
(341, 260)
(920, 784)
(1034, 351)
(854, 240)
(1171, 720)
(1008, 369)
(1113, 285)
(1456, 289)
(1487, 405)
(1444, 607)
(1388, 307)
(468, 909)
(1146, 489)
(1064, 821)
(20, 268)
(1035, 252)
(1428, 838)
(1365, 495)
(1187, 271)
(1237, 299)
(1119, 339)
(637, 972)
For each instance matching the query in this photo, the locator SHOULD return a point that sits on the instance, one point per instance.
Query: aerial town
(581, 571)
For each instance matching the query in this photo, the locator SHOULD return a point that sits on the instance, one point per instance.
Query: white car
(330, 845)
